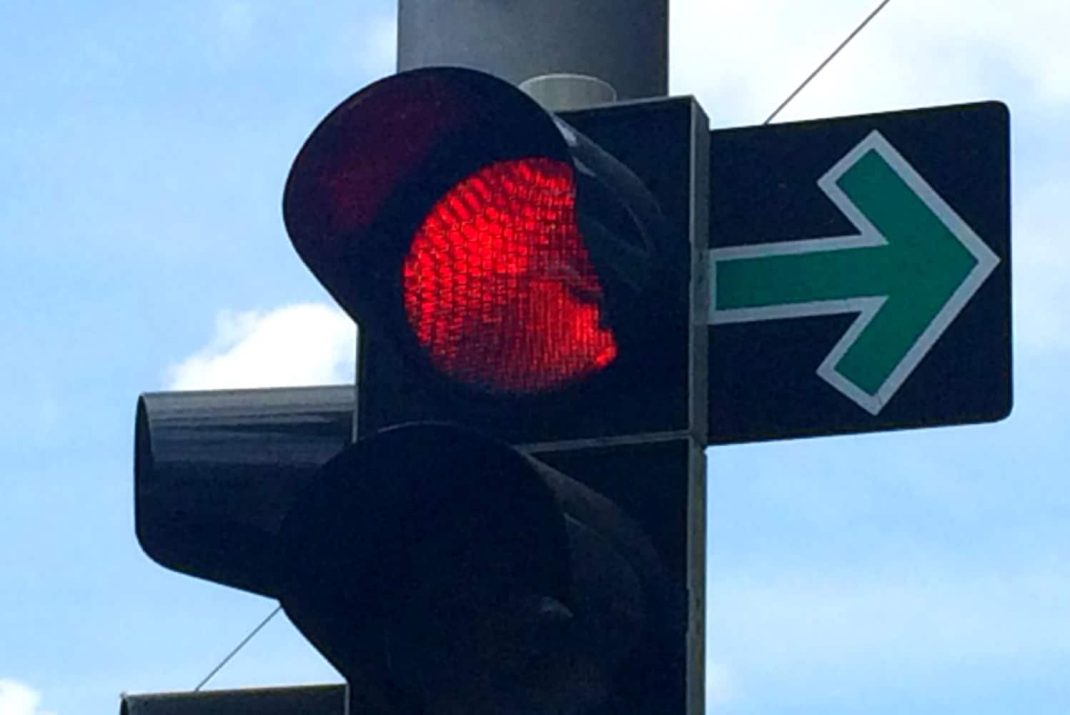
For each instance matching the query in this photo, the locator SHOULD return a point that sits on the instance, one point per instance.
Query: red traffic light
(498, 287)
(442, 208)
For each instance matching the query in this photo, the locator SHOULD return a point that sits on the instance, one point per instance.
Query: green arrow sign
(909, 271)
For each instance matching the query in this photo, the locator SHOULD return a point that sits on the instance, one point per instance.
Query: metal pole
(565, 53)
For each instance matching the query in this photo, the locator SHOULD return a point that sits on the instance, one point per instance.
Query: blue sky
(144, 149)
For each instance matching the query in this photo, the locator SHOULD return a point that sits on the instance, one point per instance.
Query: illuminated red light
(498, 286)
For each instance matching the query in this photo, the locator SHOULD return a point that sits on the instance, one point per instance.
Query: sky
(143, 150)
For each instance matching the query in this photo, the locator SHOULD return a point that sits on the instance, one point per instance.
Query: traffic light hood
(492, 243)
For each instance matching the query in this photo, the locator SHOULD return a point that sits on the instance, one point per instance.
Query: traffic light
(507, 262)
(441, 199)
(511, 519)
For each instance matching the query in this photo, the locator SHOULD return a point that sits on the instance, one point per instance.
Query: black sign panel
(860, 274)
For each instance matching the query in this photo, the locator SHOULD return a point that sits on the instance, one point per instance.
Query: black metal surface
(304, 700)
(649, 482)
(215, 472)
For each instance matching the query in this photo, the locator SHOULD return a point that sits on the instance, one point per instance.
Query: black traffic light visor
(369, 173)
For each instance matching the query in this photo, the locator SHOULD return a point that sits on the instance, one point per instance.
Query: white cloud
(304, 344)
(19, 699)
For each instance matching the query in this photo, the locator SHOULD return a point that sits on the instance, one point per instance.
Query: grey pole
(565, 53)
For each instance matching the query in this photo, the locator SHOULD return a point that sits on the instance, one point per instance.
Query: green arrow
(909, 271)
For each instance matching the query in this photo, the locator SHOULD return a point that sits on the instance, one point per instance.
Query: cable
(237, 648)
(826, 61)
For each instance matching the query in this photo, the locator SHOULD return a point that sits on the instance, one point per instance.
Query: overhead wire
(825, 62)
(234, 651)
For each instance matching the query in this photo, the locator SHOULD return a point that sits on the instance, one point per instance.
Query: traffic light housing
(555, 270)
(440, 199)
(519, 523)
(473, 572)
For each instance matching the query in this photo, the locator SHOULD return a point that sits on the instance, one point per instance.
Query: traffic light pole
(566, 54)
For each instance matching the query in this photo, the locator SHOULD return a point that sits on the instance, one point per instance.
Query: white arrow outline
(867, 307)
